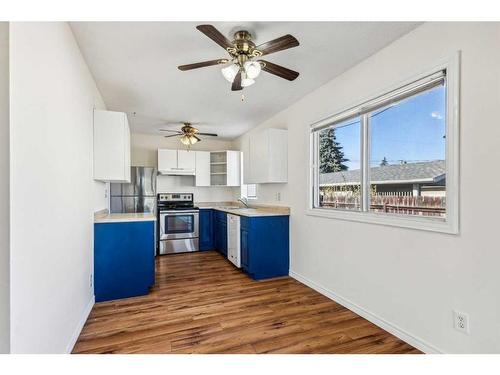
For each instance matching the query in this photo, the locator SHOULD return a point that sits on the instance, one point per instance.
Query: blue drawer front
(123, 259)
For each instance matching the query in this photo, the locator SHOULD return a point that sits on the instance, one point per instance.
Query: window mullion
(365, 163)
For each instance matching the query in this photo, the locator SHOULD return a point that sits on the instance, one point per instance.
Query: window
(247, 191)
(339, 165)
(392, 159)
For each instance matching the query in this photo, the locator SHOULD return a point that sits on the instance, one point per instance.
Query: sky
(412, 130)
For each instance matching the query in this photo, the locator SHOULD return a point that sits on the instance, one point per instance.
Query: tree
(331, 156)
(384, 162)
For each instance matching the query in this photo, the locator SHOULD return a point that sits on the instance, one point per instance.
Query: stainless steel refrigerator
(137, 196)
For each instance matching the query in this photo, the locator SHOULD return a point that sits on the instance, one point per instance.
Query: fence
(396, 203)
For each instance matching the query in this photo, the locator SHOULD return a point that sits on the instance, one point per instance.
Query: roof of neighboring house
(429, 171)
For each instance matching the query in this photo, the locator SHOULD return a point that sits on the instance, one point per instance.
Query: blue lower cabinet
(124, 259)
(206, 229)
(265, 246)
(220, 232)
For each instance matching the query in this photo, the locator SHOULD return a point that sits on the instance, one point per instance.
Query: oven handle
(179, 213)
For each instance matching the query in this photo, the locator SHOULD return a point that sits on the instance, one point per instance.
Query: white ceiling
(135, 67)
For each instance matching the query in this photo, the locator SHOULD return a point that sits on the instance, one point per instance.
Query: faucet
(244, 201)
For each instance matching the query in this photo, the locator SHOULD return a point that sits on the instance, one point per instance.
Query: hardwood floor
(202, 304)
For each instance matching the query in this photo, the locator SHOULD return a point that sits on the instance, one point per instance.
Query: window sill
(427, 224)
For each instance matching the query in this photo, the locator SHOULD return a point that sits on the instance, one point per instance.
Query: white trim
(371, 317)
(79, 327)
(385, 182)
(449, 225)
(393, 220)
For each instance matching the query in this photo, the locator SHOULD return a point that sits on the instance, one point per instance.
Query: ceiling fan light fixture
(252, 69)
(189, 140)
(230, 71)
(247, 82)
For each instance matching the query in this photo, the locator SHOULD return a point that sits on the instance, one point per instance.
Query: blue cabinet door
(206, 230)
(220, 231)
(123, 259)
(217, 235)
(223, 235)
(244, 250)
(265, 246)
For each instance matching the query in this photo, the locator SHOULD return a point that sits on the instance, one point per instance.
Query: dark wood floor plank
(202, 304)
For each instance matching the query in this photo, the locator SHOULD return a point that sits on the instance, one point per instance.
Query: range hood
(177, 172)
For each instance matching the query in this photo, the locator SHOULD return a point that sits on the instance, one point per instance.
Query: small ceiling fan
(241, 68)
(189, 134)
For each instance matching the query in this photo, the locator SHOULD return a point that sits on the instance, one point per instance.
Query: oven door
(179, 224)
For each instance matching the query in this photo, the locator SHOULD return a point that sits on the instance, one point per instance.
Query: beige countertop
(105, 217)
(253, 211)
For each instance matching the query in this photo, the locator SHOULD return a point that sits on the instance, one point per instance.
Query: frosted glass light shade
(247, 82)
(252, 68)
(188, 140)
(229, 72)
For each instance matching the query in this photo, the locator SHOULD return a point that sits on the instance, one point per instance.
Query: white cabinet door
(267, 151)
(167, 160)
(278, 156)
(245, 154)
(186, 159)
(111, 146)
(202, 175)
(233, 168)
(259, 153)
(127, 150)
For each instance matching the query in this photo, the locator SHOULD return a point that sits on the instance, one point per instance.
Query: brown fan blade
(279, 44)
(198, 139)
(279, 70)
(215, 35)
(202, 64)
(173, 135)
(171, 131)
(208, 134)
(236, 86)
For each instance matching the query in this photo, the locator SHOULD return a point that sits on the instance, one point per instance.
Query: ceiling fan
(189, 134)
(242, 67)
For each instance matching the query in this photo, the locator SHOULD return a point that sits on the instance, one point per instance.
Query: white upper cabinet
(210, 168)
(202, 176)
(186, 160)
(167, 160)
(265, 155)
(176, 162)
(111, 146)
(233, 168)
(225, 168)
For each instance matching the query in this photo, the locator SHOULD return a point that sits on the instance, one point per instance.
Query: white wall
(4, 189)
(53, 196)
(144, 153)
(409, 279)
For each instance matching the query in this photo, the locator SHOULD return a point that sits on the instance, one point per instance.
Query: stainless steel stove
(178, 223)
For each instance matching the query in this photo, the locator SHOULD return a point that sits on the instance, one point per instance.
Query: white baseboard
(79, 327)
(389, 327)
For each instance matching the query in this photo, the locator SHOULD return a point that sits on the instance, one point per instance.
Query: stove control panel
(175, 197)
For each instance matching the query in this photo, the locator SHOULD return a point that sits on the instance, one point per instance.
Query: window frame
(243, 186)
(450, 224)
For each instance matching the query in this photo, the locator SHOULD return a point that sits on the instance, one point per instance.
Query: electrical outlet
(278, 196)
(91, 280)
(105, 192)
(461, 321)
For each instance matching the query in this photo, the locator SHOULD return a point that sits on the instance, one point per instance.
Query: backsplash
(185, 184)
